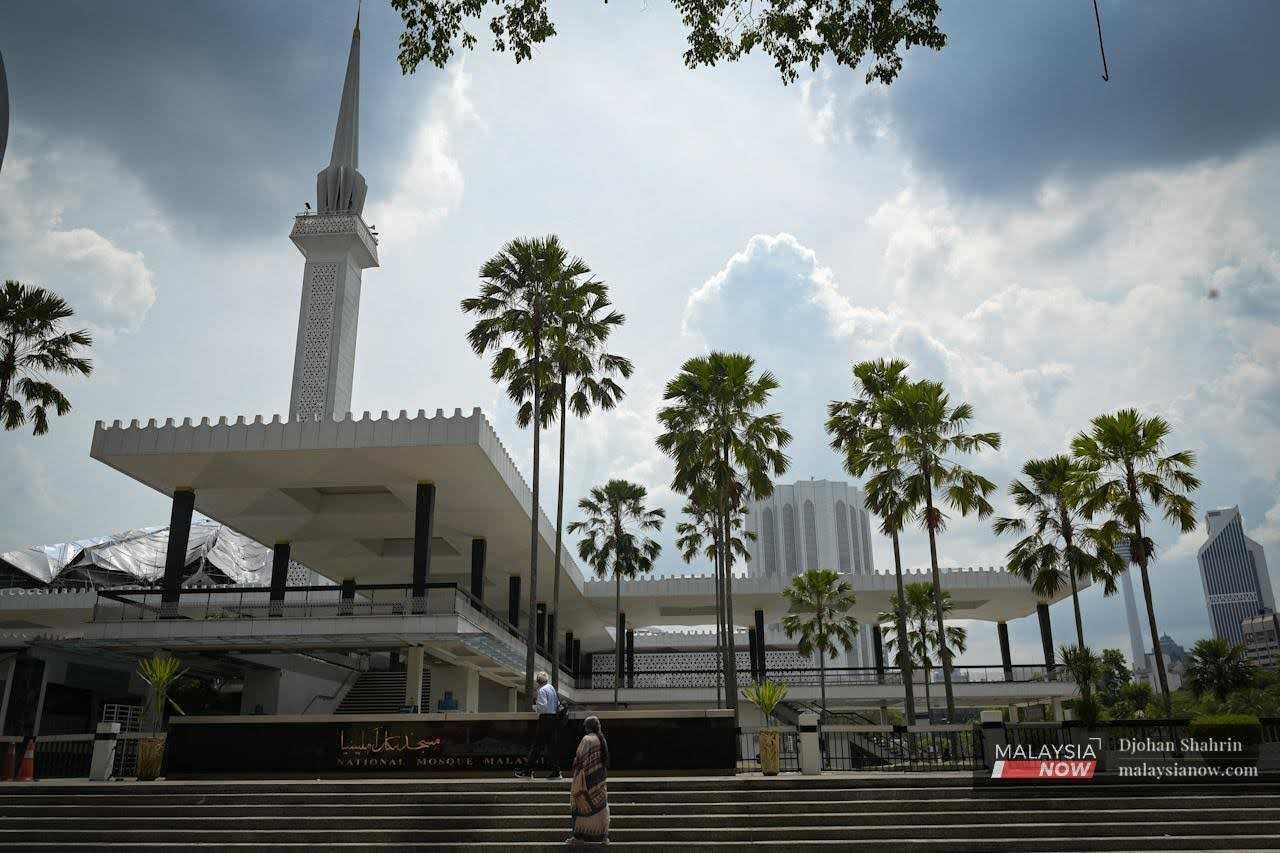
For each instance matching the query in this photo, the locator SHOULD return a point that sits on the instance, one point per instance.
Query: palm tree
(920, 430)
(519, 290)
(34, 344)
(715, 434)
(1218, 667)
(1085, 667)
(851, 425)
(1061, 544)
(1124, 467)
(818, 605)
(579, 323)
(615, 543)
(919, 641)
(701, 533)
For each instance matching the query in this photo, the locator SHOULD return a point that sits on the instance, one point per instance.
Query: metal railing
(899, 748)
(144, 604)
(788, 754)
(668, 679)
(63, 756)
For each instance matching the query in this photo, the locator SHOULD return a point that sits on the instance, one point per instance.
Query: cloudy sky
(1043, 242)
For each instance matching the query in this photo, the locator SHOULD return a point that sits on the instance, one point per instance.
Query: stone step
(559, 792)
(556, 820)
(619, 809)
(328, 838)
(905, 844)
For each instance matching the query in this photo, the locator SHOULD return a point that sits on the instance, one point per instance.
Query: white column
(104, 751)
(470, 701)
(512, 697)
(414, 657)
(810, 757)
(1057, 710)
(1013, 713)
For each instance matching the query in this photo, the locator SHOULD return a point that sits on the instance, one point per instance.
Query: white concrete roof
(342, 492)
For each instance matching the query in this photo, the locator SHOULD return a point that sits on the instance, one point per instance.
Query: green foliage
(1088, 710)
(1124, 469)
(1218, 667)
(1060, 548)
(793, 34)
(818, 605)
(160, 672)
(922, 642)
(1116, 675)
(614, 541)
(1245, 728)
(34, 345)
(1084, 666)
(765, 695)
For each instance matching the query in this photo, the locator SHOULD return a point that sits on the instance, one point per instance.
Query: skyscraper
(1233, 570)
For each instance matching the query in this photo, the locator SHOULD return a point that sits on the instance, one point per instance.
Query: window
(789, 539)
(842, 537)
(768, 543)
(810, 537)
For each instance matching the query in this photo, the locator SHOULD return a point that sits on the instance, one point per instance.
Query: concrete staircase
(378, 692)
(862, 812)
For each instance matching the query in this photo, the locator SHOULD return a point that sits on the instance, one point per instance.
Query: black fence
(898, 748)
(694, 677)
(788, 753)
(63, 756)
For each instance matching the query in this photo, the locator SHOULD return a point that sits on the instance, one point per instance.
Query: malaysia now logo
(1047, 761)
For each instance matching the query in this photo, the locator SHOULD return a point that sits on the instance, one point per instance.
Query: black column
(762, 647)
(877, 648)
(568, 649)
(631, 657)
(1046, 635)
(552, 650)
(175, 561)
(575, 659)
(424, 513)
(1002, 630)
(542, 625)
(618, 643)
(279, 577)
(753, 653)
(513, 601)
(346, 596)
(478, 548)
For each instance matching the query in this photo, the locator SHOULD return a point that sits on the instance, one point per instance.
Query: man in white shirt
(547, 705)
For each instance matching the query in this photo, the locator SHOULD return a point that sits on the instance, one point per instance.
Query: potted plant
(766, 695)
(159, 672)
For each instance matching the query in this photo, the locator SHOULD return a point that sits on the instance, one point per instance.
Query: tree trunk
(533, 526)
(1151, 617)
(731, 673)
(937, 598)
(1071, 571)
(904, 665)
(719, 656)
(617, 633)
(822, 680)
(555, 575)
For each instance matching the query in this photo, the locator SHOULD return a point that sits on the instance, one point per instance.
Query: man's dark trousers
(544, 744)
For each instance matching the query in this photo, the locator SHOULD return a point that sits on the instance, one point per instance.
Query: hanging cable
(1097, 16)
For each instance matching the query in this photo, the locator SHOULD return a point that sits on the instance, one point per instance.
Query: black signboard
(397, 745)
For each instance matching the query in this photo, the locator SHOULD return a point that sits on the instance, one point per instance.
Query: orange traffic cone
(27, 771)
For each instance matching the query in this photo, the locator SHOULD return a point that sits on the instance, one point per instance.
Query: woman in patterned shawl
(589, 796)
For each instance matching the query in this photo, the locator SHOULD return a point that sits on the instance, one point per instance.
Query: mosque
(319, 563)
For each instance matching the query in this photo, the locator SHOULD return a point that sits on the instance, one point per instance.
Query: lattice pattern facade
(311, 392)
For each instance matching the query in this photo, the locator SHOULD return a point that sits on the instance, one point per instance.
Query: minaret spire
(340, 188)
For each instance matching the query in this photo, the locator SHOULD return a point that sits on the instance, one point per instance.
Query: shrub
(1244, 728)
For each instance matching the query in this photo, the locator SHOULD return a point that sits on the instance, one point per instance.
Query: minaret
(338, 246)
